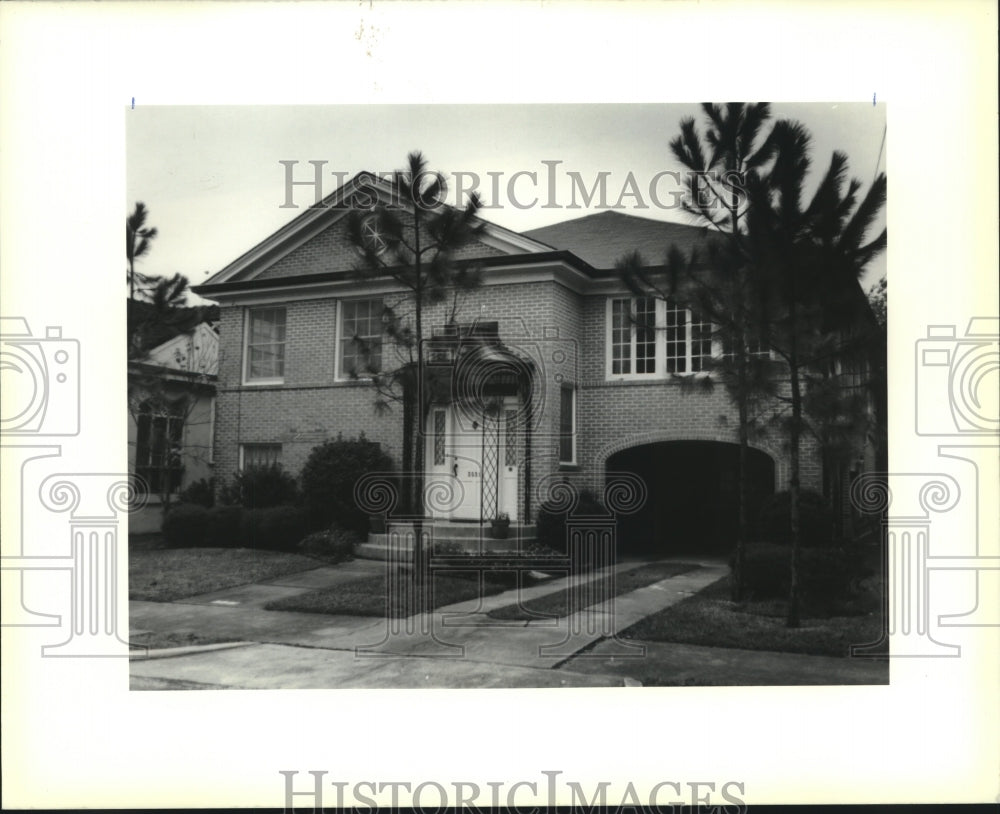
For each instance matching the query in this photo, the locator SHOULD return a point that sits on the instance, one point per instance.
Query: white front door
(458, 461)
(466, 458)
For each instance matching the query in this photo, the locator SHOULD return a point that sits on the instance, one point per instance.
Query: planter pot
(501, 529)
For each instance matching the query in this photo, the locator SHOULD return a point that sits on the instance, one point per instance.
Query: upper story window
(265, 345)
(653, 337)
(633, 336)
(361, 328)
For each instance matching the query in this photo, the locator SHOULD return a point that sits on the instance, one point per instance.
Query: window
(755, 348)
(360, 337)
(265, 353)
(254, 455)
(159, 446)
(440, 422)
(633, 335)
(649, 336)
(567, 425)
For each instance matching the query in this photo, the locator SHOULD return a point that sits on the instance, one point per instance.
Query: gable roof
(603, 238)
(330, 210)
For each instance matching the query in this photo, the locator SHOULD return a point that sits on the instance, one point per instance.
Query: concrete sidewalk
(455, 646)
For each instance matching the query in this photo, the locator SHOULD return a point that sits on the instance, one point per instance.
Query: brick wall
(563, 332)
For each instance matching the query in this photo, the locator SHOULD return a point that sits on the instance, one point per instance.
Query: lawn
(557, 603)
(367, 596)
(168, 574)
(710, 618)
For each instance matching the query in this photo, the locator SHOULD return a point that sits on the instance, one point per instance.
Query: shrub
(825, 575)
(815, 519)
(276, 528)
(225, 526)
(329, 476)
(260, 487)
(186, 525)
(335, 544)
(201, 492)
(552, 522)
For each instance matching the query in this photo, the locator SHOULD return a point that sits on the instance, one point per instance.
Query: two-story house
(552, 377)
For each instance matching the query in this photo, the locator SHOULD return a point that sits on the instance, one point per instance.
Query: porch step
(467, 537)
(463, 531)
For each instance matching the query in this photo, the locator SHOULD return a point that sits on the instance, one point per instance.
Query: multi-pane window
(567, 425)
(675, 328)
(755, 348)
(258, 455)
(158, 447)
(701, 343)
(265, 356)
(649, 336)
(360, 337)
(621, 337)
(633, 335)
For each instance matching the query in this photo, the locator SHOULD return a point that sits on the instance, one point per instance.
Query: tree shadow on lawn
(710, 618)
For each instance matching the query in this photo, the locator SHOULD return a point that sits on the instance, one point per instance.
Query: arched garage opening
(692, 495)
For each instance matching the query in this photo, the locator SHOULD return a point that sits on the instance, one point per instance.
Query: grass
(367, 596)
(557, 603)
(168, 574)
(161, 641)
(711, 619)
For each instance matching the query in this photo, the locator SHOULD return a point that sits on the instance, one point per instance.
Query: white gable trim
(329, 211)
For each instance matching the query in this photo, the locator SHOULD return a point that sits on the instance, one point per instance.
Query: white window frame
(572, 390)
(247, 321)
(340, 374)
(660, 371)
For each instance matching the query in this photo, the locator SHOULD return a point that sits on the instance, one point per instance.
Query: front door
(477, 459)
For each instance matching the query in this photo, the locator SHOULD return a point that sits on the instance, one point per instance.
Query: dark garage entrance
(692, 486)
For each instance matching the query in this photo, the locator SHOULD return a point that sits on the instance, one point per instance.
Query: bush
(260, 487)
(334, 545)
(551, 521)
(824, 574)
(276, 528)
(225, 526)
(201, 492)
(815, 519)
(186, 526)
(329, 476)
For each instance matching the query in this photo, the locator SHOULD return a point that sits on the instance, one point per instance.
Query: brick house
(551, 379)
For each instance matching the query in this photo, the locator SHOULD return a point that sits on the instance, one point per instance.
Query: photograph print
(441, 396)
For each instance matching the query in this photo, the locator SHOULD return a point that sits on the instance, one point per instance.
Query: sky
(214, 186)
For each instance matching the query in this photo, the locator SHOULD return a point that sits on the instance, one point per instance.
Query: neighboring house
(171, 393)
(549, 379)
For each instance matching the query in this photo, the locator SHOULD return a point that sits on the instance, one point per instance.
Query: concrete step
(463, 531)
(377, 546)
